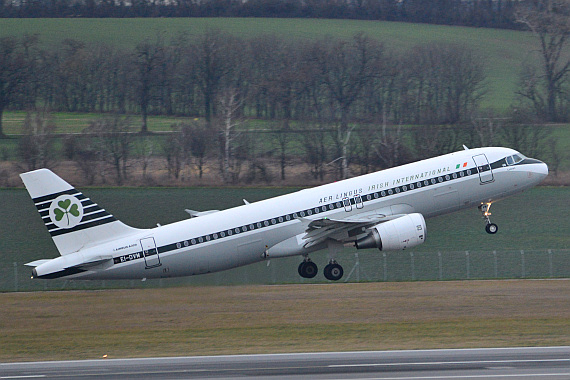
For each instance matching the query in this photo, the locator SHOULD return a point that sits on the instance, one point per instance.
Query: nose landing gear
(491, 228)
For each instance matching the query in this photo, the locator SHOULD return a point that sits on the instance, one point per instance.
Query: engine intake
(394, 235)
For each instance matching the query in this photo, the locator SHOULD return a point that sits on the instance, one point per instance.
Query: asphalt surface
(493, 363)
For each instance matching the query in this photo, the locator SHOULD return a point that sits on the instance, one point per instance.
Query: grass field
(290, 318)
(503, 51)
(67, 122)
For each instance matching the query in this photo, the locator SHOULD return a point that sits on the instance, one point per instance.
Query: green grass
(67, 122)
(502, 51)
(293, 318)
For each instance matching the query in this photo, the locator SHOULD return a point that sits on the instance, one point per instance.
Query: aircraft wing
(194, 213)
(342, 230)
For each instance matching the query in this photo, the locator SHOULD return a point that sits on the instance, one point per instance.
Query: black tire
(333, 272)
(491, 228)
(308, 269)
(327, 271)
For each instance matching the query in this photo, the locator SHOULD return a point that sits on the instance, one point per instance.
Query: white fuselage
(256, 231)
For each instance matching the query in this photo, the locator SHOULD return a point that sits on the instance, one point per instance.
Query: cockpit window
(514, 159)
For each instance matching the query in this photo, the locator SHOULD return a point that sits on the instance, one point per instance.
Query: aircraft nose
(539, 170)
(542, 169)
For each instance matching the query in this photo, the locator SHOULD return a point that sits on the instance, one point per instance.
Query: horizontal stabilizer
(37, 263)
(93, 261)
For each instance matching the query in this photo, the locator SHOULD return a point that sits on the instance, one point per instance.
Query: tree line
(478, 13)
(343, 103)
(327, 80)
(109, 151)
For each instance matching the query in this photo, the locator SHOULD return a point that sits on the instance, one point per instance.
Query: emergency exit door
(484, 169)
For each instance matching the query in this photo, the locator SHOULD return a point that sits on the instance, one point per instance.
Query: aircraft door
(484, 169)
(150, 253)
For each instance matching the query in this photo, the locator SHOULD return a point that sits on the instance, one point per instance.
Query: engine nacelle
(398, 234)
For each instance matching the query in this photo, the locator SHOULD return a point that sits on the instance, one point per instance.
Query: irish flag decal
(461, 166)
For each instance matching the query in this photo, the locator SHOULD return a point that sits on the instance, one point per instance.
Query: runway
(486, 363)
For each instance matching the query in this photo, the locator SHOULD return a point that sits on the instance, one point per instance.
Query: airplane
(385, 210)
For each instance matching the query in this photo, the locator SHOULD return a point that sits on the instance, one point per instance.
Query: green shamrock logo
(66, 211)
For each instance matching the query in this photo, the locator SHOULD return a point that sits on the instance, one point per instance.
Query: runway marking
(22, 377)
(442, 363)
(521, 375)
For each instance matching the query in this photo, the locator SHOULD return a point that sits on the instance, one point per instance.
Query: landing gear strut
(491, 228)
(308, 269)
(333, 271)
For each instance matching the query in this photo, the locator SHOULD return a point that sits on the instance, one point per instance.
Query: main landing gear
(308, 269)
(491, 228)
(333, 271)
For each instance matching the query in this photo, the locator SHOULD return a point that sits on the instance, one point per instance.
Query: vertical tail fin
(72, 219)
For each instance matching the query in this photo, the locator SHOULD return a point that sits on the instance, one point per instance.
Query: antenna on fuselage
(464, 147)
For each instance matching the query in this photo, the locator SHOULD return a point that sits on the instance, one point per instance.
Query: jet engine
(397, 234)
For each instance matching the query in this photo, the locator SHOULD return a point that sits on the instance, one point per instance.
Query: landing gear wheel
(308, 269)
(491, 228)
(333, 272)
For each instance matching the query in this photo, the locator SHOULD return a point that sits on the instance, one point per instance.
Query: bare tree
(524, 133)
(282, 138)
(111, 140)
(12, 72)
(213, 66)
(145, 150)
(441, 83)
(486, 126)
(549, 21)
(389, 146)
(35, 147)
(316, 153)
(201, 138)
(149, 58)
(186, 141)
(345, 68)
(229, 104)
(174, 151)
